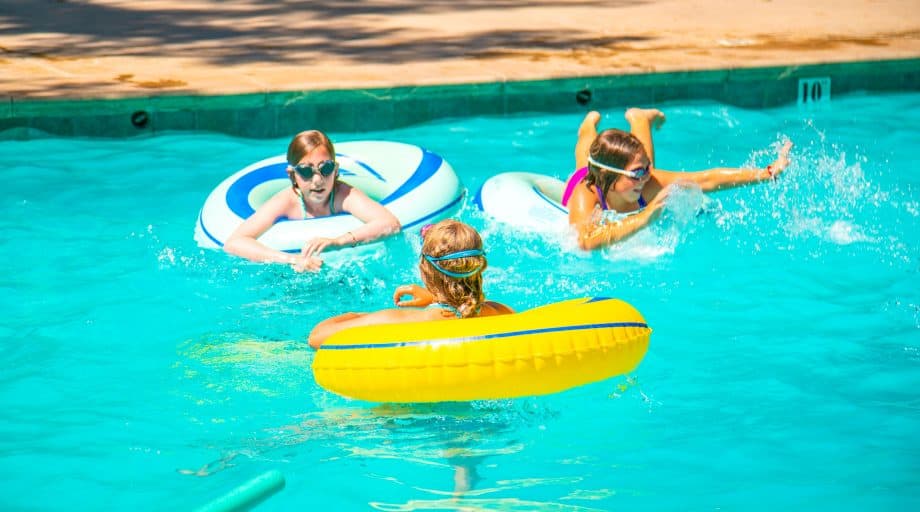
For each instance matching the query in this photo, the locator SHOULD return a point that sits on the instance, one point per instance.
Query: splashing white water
(843, 232)
(678, 218)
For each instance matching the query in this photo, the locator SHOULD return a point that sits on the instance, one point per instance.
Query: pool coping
(276, 114)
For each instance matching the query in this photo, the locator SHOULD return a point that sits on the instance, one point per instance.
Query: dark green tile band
(357, 110)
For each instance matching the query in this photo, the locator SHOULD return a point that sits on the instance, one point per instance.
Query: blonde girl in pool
(617, 190)
(451, 265)
(315, 192)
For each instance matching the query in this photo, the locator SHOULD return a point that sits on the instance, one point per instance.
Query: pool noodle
(247, 495)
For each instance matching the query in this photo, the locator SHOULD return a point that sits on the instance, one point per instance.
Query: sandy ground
(117, 48)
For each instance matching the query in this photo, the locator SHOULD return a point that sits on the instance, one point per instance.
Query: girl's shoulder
(344, 191)
(399, 315)
(351, 200)
(282, 201)
(341, 186)
(583, 193)
(492, 308)
(582, 204)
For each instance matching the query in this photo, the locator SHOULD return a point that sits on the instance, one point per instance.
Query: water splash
(678, 220)
(823, 201)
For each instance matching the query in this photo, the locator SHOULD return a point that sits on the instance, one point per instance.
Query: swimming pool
(142, 372)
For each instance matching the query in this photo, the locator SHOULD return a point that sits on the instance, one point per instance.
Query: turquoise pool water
(140, 372)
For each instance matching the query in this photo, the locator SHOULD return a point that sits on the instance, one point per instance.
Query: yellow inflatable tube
(543, 350)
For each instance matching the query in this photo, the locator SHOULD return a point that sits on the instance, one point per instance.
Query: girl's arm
(244, 242)
(330, 326)
(726, 177)
(592, 234)
(378, 222)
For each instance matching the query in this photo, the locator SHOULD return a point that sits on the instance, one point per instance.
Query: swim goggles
(455, 256)
(637, 174)
(325, 168)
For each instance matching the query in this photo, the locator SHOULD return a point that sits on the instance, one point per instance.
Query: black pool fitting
(140, 119)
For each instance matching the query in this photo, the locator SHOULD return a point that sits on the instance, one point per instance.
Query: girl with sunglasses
(617, 190)
(315, 192)
(451, 265)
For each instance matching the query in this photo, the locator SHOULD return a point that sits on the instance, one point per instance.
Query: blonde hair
(464, 293)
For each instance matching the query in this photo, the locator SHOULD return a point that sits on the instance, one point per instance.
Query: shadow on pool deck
(113, 48)
(234, 37)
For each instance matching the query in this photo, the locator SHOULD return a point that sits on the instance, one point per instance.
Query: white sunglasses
(637, 174)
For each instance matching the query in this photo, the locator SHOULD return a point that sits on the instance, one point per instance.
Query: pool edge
(275, 114)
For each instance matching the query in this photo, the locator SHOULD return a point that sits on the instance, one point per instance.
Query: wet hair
(305, 142)
(615, 148)
(463, 293)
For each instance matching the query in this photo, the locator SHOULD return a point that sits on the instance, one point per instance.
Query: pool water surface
(141, 372)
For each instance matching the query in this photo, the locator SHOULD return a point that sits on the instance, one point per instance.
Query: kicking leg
(641, 121)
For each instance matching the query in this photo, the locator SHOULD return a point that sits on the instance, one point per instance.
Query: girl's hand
(306, 264)
(419, 297)
(315, 246)
(661, 199)
(781, 162)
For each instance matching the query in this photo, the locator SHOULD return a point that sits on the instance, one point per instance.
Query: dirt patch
(771, 42)
(163, 83)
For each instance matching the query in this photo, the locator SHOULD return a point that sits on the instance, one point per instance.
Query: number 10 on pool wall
(814, 90)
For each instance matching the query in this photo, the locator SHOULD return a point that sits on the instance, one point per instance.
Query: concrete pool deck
(160, 49)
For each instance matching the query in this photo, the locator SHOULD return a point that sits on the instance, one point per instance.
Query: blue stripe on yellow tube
(399, 344)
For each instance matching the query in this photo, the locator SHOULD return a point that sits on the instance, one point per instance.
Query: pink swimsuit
(576, 179)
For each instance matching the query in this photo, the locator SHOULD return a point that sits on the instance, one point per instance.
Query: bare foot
(593, 117)
(589, 124)
(653, 116)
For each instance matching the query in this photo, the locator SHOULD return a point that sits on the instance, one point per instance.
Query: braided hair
(463, 293)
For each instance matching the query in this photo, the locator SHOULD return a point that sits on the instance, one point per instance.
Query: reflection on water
(457, 436)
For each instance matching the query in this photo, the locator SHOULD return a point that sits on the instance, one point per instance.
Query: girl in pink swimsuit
(616, 172)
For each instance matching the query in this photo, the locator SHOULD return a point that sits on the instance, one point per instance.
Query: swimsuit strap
(600, 198)
(332, 199)
(641, 201)
(452, 309)
(447, 307)
(303, 204)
